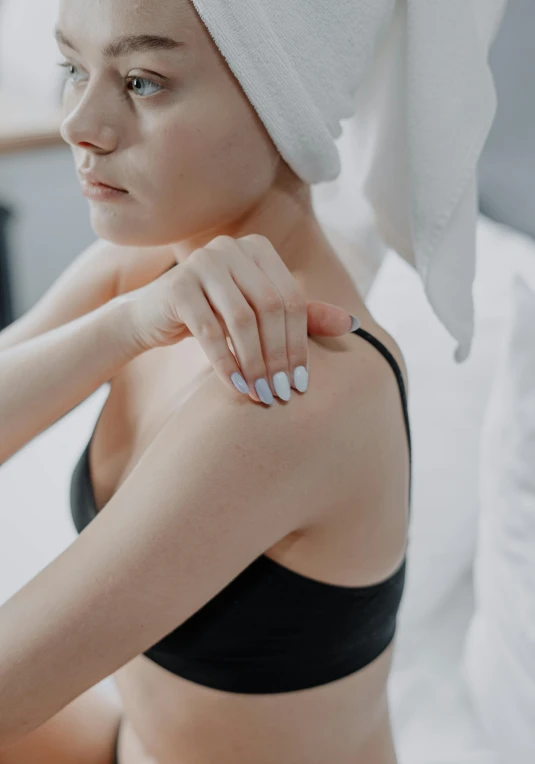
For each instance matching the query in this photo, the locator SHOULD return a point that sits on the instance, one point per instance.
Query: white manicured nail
(239, 382)
(301, 379)
(281, 383)
(263, 391)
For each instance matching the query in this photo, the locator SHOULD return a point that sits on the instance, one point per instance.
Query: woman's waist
(174, 719)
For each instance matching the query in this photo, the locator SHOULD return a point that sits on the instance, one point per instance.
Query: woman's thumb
(328, 320)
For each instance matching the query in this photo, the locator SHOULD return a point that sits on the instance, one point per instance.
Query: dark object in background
(6, 302)
(506, 167)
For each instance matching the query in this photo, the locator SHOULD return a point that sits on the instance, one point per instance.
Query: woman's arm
(100, 272)
(44, 378)
(88, 282)
(210, 494)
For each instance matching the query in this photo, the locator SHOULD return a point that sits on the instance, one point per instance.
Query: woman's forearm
(44, 378)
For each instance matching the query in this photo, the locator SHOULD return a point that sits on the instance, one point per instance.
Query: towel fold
(411, 77)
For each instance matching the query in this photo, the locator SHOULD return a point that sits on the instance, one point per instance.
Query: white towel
(413, 79)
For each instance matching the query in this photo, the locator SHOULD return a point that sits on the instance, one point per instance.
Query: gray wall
(49, 224)
(507, 165)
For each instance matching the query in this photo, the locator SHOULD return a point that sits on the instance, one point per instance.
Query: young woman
(243, 582)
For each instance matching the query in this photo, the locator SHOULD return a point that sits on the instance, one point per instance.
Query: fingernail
(239, 382)
(264, 392)
(281, 383)
(355, 323)
(301, 379)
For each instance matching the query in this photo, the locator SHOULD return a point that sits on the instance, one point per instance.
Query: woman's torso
(171, 720)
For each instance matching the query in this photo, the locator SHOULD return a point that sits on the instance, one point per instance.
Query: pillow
(499, 656)
(446, 407)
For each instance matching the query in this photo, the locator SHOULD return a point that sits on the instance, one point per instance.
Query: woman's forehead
(111, 18)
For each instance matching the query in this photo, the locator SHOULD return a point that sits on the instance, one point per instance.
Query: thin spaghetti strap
(401, 384)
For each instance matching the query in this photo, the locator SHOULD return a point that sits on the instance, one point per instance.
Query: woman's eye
(66, 65)
(136, 81)
(139, 80)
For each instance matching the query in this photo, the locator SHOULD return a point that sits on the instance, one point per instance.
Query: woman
(243, 583)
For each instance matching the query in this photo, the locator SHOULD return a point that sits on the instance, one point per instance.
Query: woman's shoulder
(344, 438)
(367, 450)
(336, 454)
(352, 399)
(357, 369)
(376, 361)
(350, 382)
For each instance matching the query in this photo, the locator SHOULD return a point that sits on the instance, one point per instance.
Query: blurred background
(458, 692)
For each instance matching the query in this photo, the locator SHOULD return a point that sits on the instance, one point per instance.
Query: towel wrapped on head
(411, 77)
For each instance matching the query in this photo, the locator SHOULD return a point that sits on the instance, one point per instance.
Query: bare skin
(197, 162)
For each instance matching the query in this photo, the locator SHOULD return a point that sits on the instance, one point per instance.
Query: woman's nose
(90, 122)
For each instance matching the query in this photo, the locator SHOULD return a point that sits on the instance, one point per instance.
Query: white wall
(28, 51)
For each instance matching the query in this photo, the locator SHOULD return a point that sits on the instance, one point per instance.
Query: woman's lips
(101, 191)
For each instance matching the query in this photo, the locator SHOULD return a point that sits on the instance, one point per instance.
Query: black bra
(272, 629)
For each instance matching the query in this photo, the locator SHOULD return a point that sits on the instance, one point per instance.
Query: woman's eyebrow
(121, 46)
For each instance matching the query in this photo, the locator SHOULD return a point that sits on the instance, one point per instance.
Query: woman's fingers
(300, 318)
(244, 300)
(247, 311)
(281, 311)
(198, 298)
(254, 303)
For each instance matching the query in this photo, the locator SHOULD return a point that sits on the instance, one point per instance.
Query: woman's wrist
(116, 326)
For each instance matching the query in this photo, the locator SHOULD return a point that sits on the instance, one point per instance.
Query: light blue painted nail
(239, 382)
(281, 383)
(264, 392)
(301, 379)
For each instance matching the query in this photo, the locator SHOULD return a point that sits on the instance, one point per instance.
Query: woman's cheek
(179, 156)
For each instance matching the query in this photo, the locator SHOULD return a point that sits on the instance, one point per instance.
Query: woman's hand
(238, 289)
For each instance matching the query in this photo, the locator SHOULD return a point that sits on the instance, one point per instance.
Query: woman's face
(170, 124)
